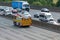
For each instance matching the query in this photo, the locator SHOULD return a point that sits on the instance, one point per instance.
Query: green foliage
(36, 3)
(41, 2)
(58, 3)
(30, 1)
(2, 0)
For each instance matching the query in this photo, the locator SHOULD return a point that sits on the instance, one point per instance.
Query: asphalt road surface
(56, 15)
(10, 32)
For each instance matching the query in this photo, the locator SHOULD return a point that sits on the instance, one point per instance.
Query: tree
(58, 3)
(2, 0)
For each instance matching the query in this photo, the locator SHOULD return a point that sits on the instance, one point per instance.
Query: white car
(46, 17)
(2, 11)
(7, 10)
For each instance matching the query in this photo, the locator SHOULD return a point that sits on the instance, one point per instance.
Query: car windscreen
(48, 16)
(42, 16)
(44, 11)
(25, 5)
(1, 9)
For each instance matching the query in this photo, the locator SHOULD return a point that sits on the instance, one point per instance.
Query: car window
(14, 12)
(22, 12)
(42, 16)
(48, 16)
(1, 9)
(26, 5)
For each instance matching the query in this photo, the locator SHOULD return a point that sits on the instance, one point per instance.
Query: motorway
(56, 15)
(10, 32)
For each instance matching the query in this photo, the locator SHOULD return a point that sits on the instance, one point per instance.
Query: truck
(21, 5)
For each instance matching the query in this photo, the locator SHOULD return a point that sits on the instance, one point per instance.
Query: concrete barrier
(43, 24)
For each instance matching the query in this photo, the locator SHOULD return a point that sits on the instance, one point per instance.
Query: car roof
(44, 9)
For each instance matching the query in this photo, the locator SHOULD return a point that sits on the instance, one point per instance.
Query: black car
(36, 16)
(58, 20)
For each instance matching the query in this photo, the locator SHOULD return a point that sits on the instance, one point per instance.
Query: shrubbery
(39, 2)
(36, 3)
(58, 3)
(44, 3)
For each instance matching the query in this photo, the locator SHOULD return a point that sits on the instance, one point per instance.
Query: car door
(1, 11)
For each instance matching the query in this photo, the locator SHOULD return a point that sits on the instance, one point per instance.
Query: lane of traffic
(32, 12)
(55, 15)
(32, 33)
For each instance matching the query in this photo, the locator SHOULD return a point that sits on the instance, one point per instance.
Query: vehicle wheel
(25, 26)
(40, 20)
(3, 14)
(19, 25)
(14, 23)
(58, 20)
(28, 26)
(37, 16)
(27, 9)
(34, 16)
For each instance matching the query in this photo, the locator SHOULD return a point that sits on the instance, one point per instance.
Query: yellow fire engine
(22, 19)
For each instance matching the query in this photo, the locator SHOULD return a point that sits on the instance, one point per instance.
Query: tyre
(28, 26)
(58, 20)
(34, 16)
(3, 14)
(40, 19)
(25, 26)
(37, 16)
(14, 23)
(19, 25)
(27, 9)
